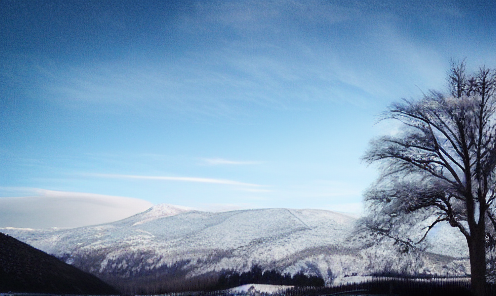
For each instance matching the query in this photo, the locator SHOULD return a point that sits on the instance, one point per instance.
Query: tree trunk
(477, 251)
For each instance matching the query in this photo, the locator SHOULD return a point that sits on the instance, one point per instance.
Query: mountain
(159, 211)
(26, 269)
(165, 248)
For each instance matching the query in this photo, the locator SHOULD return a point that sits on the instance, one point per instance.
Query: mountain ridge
(188, 244)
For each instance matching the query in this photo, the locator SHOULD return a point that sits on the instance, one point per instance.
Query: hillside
(26, 269)
(167, 248)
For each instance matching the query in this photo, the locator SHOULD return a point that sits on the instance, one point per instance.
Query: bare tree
(440, 167)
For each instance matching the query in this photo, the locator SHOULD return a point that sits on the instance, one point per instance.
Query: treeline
(173, 279)
(256, 275)
(382, 286)
(394, 286)
(399, 286)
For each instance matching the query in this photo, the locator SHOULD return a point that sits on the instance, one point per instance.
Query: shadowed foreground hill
(26, 269)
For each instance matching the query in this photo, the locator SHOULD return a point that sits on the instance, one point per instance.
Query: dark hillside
(26, 269)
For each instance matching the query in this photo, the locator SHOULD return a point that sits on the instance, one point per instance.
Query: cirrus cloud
(181, 179)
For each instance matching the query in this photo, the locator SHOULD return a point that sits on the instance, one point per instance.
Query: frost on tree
(440, 168)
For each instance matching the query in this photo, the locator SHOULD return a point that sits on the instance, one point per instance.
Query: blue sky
(217, 104)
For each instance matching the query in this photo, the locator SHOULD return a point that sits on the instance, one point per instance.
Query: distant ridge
(24, 269)
(168, 248)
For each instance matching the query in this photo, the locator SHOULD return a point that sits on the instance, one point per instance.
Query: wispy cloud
(41, 192)
(30, 191)
(42, 208)
(255, 70)
(256, 190)
(221, 161)
(181, 179)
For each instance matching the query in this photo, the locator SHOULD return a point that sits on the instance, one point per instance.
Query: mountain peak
(160, 211)
(174, 244)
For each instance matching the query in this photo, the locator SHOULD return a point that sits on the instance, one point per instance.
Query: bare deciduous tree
(440, 167)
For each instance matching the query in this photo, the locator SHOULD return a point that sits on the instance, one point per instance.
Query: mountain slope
(158, 245)
(26, 269)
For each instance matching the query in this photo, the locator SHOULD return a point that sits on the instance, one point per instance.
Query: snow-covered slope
(159, 211)
(166, 241)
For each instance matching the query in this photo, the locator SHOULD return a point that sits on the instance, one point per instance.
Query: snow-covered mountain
(167, 242)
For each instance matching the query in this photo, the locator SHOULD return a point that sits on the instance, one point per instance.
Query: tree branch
(429, 228)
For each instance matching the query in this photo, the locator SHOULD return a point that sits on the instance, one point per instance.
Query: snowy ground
(259, 288)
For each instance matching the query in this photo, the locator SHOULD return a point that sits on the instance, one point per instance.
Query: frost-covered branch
(441, 167)
(429, 228)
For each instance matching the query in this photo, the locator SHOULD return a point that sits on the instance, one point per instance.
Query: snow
(351, 279)
(160, 211)
(259, 288)
(449, 241)
(317, 242)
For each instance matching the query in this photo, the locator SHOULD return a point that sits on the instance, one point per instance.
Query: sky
(110, 107)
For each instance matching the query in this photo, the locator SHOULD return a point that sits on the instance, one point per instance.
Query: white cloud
(221, 161)
(256, 190)
(181, 179)
(48, 208)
